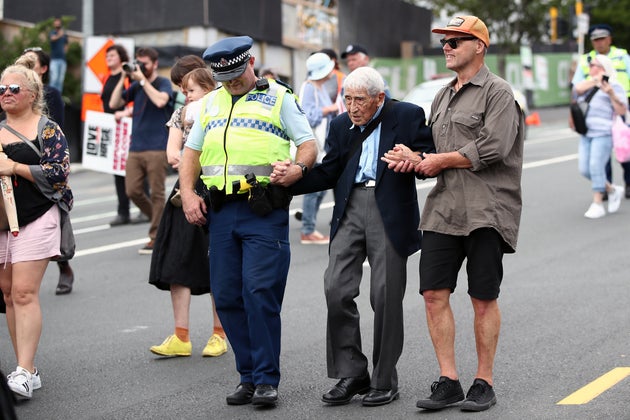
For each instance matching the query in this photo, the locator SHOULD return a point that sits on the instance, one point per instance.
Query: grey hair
(365, 78)
(33, 84)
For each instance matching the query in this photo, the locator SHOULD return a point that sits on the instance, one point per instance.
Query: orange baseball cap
(470, 25)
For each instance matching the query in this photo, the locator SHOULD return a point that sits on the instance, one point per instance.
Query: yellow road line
(598, 386)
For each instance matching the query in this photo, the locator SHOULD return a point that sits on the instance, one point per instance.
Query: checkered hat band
(231, 64)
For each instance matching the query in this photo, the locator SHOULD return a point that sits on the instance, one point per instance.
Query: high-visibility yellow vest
(242, 138)
(616, 55)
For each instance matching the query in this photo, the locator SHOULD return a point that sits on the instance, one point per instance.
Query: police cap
(354, 49)
(229, 57)
(600, 31)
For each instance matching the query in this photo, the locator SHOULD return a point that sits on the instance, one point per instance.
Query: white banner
(106, 142)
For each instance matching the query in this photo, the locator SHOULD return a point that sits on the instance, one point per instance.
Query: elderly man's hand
(401, 159)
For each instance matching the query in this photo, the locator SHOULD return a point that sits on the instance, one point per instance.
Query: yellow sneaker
(172, 346)
(216, 346)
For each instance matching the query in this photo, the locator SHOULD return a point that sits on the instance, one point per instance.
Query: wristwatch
(304, 168)
(142, 82)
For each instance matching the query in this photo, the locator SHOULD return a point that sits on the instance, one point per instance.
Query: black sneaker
(627, 190)
(444, 392)
(480, 397)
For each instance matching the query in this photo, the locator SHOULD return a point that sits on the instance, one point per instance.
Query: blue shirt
(599, 118)
(58, 47)
(148, 131)
(369, 152)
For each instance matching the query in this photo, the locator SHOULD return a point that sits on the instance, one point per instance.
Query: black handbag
(579, 110)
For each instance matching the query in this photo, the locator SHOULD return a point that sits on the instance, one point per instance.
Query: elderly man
(601, 39)
(474, 210)
(244, 127)
(375, 217)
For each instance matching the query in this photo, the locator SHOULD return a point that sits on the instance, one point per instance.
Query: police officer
(601, 39)
(244, 127)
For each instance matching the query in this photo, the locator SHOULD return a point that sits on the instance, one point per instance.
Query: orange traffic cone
(533, 119)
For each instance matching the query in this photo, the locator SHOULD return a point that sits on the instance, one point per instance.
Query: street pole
(87, 18)
(582, 26)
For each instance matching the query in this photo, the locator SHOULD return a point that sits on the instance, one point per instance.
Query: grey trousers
(361, 234)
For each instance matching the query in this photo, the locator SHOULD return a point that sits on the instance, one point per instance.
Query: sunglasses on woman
(14, 89)
(453, 42)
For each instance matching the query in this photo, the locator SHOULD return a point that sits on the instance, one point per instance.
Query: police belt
(261, 199)
(231, 198)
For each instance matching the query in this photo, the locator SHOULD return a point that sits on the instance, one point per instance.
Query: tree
(511, 23)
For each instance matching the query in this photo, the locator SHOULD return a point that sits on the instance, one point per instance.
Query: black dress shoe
(119, 220)
(265, 395)
(380, 397)
(66, 278)
(347, 388)
(242, 395)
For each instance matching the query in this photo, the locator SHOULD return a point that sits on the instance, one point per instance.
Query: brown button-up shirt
(483, 122)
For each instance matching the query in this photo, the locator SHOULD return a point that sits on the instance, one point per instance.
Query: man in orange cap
(474, 211)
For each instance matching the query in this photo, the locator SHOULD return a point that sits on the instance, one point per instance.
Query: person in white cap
(601, 39)
(356, 56)
(319, 109)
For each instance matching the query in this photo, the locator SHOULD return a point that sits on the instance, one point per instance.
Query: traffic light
(553, 24)
(564, 28)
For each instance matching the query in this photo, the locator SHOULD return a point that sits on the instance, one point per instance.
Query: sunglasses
(14, 89)
(34, 49)
(453, 42)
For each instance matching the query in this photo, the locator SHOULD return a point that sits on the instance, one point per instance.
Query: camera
(605, 78)
(133, 66)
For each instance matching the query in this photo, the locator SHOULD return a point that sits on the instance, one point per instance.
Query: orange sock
(219, 331)
(182, 334)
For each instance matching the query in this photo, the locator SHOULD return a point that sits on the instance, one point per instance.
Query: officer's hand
(194, 207)
(285, 173)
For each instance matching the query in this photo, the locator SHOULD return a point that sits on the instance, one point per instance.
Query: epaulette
(286, 85)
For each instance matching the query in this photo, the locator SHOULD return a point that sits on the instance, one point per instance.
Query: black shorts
(442, 257)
